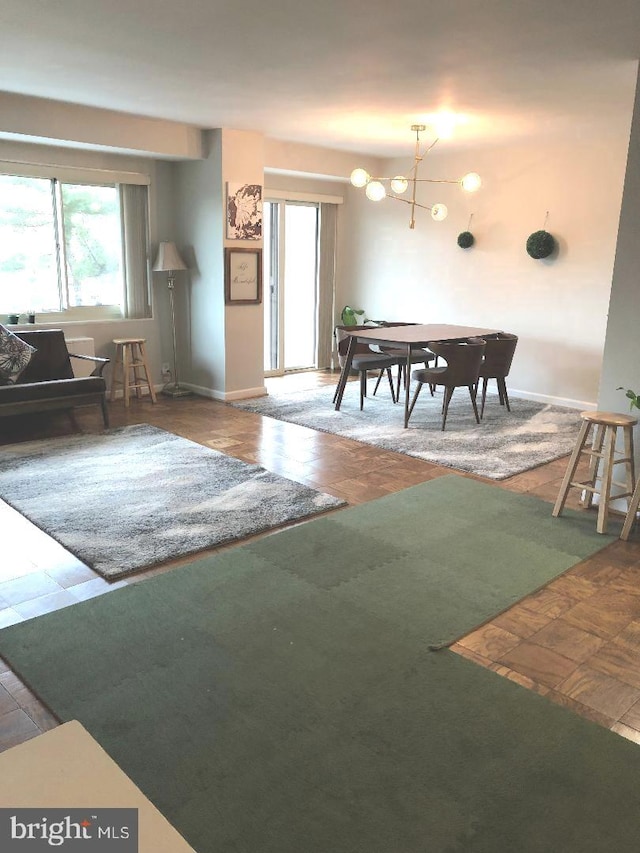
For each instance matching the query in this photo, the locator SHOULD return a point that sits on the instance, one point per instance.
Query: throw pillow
(15, 355)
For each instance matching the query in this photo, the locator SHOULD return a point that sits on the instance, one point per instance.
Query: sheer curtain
(326, 282)
(135, 242)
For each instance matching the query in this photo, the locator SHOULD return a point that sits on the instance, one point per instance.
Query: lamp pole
(174, 390)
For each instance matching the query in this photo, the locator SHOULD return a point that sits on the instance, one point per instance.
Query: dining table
(411, 336)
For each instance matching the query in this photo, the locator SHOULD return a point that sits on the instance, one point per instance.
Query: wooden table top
(420, 334)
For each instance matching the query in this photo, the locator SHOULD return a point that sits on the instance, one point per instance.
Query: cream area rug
(136, 496)
(505, 443)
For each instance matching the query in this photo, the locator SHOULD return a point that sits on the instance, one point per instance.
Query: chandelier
(378, 188)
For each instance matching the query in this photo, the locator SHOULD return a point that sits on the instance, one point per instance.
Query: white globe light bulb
(399, 184)
(375, 191)
(471, 182)
(439, 212)
(360, 177)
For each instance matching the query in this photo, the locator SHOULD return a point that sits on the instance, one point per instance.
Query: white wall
(243, 162)
(45, 119)
(220, 345)
(621, 362)
(557, 306)
(313, 161)
(200, 305)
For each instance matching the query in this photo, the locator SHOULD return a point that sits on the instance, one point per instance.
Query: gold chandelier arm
(418, 180)
(408, 201)
(434, 181)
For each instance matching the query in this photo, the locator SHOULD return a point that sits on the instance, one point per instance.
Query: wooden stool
(603, 447)
(631, 512)
(130, 356)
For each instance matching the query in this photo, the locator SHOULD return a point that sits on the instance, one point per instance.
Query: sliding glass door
(291, 286)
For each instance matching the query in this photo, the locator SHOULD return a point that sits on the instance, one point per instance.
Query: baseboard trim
(261, 391)
(567, 402)
(225, 396)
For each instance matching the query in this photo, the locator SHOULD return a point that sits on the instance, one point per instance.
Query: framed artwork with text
(243, 276)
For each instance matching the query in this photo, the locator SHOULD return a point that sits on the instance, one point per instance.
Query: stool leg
(126, 369)
(586, 500)
(629, 465)
(136, 358)
(117, 365)
(607, 475)
(147, 372)
(571, 469)
(631, 513)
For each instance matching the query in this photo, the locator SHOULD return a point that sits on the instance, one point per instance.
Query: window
(72, 248)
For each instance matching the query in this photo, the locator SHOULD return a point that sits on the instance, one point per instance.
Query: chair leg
(415, 397)
(105, 412)
(390, 378)
(378, 381)
(115, 371)
(503, 383)
(363, 387)
(448, 394)
(472, 393)
(484, 395)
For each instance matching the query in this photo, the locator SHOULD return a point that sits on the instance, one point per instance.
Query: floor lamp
(168, 260)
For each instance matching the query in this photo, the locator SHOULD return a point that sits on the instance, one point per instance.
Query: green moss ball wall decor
(466, 240)
(540, 244)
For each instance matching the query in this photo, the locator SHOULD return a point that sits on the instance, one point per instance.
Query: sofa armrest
(99, 362)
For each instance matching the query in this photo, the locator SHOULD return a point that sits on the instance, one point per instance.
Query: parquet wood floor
(577, 641)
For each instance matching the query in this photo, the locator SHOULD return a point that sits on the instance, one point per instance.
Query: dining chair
(364, 359)
(496, 364)
(419, 355)
(462, 368)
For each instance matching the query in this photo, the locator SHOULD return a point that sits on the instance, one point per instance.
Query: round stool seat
(609, 419)
(121, 341)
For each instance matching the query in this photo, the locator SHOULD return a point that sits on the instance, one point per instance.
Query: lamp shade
(168, 259)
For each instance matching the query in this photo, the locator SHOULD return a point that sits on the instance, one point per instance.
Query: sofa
(47, 382)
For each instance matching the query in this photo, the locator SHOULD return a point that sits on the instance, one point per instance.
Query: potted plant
(632, 396)
(350, 315)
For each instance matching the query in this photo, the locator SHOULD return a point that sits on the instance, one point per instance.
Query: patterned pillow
(15, 355)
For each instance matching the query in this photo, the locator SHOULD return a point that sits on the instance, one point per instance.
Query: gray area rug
(502, 445)
(136, 496)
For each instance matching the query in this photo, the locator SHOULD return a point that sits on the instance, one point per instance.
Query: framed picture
(243, 276)
(244, 211)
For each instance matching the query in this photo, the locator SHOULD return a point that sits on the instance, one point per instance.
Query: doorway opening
(291, 286)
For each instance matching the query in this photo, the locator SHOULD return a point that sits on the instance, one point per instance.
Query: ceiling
(345, 74)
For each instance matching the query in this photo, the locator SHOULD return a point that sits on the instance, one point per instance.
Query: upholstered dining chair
(463, 360)
(364, 359)
(419, 355)
(496, 364)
